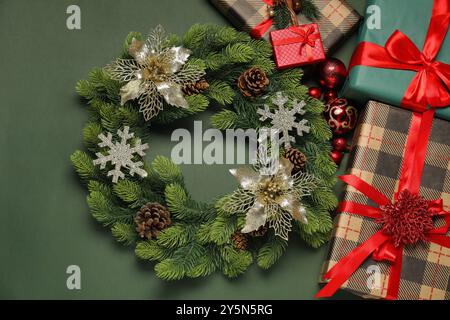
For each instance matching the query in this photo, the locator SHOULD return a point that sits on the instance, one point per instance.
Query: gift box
(381, 161)
(337, 19)
(388, 68)
(297, 46)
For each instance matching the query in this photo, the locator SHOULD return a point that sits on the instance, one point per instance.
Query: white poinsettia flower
(273, 199)
(156, 73)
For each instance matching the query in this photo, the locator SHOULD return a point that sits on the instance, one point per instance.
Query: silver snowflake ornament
(121, 154)
(284, 119)
(156, 73)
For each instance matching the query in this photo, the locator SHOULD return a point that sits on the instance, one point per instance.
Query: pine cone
(297, 158)
(151, 219)
(195, 88)
(261, 232)
(253, 82)
(240, 241)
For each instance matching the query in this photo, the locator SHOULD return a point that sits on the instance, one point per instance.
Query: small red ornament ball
(330, 95)
(340, 144)
(340, 116)
(337, 156)
(332, 73)
(315, 92)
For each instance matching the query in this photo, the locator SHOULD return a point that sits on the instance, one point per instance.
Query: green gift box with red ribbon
(403, 56)
(391, 236)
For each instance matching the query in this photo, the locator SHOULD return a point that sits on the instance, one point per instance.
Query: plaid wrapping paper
(337, 21)
(377, 153)
(297, 54)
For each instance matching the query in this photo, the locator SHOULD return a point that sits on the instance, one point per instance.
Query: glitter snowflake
(284, 119)
(121, 154)
(156, 73)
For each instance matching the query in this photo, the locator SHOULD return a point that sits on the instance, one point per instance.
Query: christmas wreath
(160, 79)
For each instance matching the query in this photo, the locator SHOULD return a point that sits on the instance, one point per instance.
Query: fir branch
(271, 251)
(182, 262)
(193, 38)
(124, 233)
(166, 170)
(239, 53)
(222, 229)
(225, 119)
(84, 165)
(177, 235)
(310, 10)
(221, 92)
(104, 211)
(150, 250)
(234, 262)
(203, 267)
(90, 134)
(177, 199)
(129, 191)
(96, 186)
(282, 18)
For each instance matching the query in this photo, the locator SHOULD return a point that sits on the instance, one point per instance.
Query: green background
(45, 224)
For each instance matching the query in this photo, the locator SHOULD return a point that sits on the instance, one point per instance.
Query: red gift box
(297, 46)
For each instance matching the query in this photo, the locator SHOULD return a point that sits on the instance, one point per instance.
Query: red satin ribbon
(428, 88)
(260, 30)
(379, 246)
(431, 83)
(306, 35)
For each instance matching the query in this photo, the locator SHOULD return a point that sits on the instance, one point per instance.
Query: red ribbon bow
(428, 88)
(305, 35)
(380, 245)
(430, 85)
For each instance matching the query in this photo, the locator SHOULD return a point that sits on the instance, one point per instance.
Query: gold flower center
(270, 190)
(156, 69)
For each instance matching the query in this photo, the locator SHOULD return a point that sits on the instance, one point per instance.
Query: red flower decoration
(408, 220)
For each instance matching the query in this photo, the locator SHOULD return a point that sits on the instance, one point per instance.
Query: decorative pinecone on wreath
(195, 88)
(261, 232)
(240, 241)
(151, 219)
(297, 158)
(253, 82)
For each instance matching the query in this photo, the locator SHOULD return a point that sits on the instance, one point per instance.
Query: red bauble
(337, 156)
(332, 73)
(315, 92)
(330, 95)
(340, 116)
(340, 144)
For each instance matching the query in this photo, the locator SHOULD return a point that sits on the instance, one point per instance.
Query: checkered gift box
(377, 153)
(337, 19)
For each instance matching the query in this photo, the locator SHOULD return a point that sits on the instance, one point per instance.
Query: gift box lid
(297, 46)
